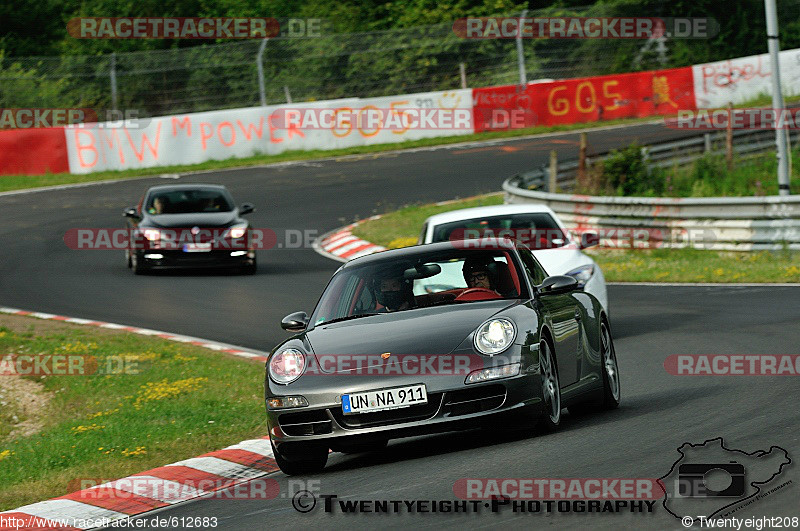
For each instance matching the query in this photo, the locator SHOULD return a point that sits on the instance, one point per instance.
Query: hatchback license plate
(383, 399)
(197, 248)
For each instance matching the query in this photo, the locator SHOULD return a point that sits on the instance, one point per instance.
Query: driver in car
(394, 293)
(480, 272)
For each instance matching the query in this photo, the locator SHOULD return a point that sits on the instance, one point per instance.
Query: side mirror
(130, 213)
(589, 239)
(295, 322)
(246, 208)
(557, 284)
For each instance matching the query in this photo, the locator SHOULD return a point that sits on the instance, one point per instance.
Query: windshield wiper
(348, 317)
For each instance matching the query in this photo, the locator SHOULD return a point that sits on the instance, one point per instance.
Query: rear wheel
(313, 460)
(611, 387)
(551, 390)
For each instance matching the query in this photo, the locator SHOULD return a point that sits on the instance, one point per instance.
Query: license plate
(197, 248)
(383, 399)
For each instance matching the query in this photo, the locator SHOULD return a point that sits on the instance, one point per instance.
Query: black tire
(551, 388)
(314, 461)
(128, 259)
(363, 447)
(138, 268)
(611, 386)
(250, 269)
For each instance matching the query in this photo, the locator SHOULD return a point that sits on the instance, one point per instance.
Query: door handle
(577, 314)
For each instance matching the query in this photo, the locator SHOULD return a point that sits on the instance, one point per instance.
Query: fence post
(262, 93)
(523, 77)
(582, 163)
(287, 94)
(729, 139)
(551, 183)
(707, 142)
(113, 76)
(463, 70)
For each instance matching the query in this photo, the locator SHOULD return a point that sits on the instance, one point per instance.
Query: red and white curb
(341, 245)
(233, 350)
(149, 490)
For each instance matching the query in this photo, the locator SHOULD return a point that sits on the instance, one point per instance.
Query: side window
(536, 274)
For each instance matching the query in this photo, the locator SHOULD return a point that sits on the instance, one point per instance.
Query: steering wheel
(478, 294)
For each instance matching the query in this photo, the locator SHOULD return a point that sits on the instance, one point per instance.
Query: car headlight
(494, 336)
(286, 366)
(151, 234)
(237, 231)
(582, 274)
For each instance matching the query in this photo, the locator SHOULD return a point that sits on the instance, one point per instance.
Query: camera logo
(698, 480)
(710, 478)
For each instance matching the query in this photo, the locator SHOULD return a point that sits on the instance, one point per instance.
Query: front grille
(474, 400)
(391, 416)
(305, 423)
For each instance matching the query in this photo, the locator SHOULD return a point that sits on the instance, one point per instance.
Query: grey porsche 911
(400, 346)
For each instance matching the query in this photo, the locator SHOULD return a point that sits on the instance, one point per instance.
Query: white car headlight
(494, 336)
(151, 234)
(582, 274)
(237, 231)
(287, 366)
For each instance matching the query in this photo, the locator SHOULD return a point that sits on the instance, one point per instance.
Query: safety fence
(217, 135)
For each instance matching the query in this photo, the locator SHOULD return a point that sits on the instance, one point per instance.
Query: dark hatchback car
(381, 357)
(189, 226)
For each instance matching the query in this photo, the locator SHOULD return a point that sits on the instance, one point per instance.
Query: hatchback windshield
(188, 202)
(452, 277)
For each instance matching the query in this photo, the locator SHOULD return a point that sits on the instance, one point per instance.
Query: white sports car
(536, 225)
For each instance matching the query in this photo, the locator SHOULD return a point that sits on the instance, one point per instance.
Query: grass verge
(177, 401)
(401, 228)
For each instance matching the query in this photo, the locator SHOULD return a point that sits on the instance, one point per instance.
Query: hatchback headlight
(287, 366)
(582, 274)
(494, 336)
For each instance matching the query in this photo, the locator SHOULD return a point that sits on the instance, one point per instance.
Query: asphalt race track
(39, 272)
(659, 411)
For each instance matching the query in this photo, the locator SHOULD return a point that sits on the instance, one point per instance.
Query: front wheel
(250, 269)
(137, 267)
(313, 460)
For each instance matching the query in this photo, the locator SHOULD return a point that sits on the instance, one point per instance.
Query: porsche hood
(426, 331)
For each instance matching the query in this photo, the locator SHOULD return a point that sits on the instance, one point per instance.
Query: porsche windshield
(453, 277)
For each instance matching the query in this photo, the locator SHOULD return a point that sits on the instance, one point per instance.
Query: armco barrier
(716, 223)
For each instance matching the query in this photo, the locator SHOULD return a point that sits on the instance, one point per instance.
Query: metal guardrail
(717, 223)
(661, 155)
